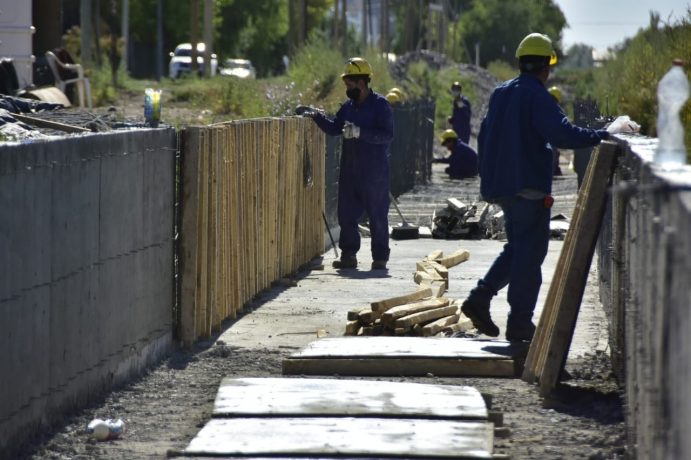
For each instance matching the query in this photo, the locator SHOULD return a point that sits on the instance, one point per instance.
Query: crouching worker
(463, 159)
(366, 123)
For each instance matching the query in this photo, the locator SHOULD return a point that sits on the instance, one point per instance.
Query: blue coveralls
(462, 161)
(460, 118)
(363, 185)
(516, 172)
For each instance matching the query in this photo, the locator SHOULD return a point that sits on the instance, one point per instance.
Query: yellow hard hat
(555, 92)
(537, 45)
(357, 67)
(397, 91)
(392, 97)
(447, 135)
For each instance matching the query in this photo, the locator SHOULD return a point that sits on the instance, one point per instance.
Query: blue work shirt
(522, 119)
(374, 117)
(462, 161)
(460, 118)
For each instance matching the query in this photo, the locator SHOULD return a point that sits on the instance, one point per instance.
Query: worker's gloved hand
(306, 111)
(623, 124)
(351, 131)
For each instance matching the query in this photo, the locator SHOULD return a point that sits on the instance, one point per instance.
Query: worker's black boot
(379, 265)
(476, 308)
(522, 332)
(345, 262)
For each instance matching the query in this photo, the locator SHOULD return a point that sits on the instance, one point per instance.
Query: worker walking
(515, 166)
(461, 112)
(463, 159)
(366, 123)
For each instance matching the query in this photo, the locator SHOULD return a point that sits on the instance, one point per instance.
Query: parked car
(181, 60)
(241, 68)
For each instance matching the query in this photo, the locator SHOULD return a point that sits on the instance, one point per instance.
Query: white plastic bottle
(672, 93)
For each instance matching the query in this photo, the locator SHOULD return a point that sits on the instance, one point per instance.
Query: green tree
(258, 30)
(578, 56)
(498, 26)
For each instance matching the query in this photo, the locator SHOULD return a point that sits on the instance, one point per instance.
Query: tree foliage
(498, 26)
(628, 84)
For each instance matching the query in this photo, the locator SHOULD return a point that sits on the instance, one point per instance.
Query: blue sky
(604, 23)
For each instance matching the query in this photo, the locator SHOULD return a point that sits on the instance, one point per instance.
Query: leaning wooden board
(344, 437)
(405, 356)
(330, 397)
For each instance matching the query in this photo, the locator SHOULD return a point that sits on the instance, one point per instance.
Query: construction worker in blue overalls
(516, 173)
(460, 114)
(366, 123)
(463, 159)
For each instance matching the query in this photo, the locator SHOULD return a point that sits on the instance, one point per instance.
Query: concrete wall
(645, 271)
(86, 285)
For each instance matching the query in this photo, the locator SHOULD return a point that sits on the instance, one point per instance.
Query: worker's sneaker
(478, 312)
(379, 265)
(520, 332)
(345, 262)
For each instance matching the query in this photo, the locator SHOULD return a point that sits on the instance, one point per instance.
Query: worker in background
(463, 159)
(556, 169)
(398, 93)
(366, 122)
(392, 98)
(460, 115)
(515, 164)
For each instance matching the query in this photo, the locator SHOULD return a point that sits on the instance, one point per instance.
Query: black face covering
(353, 93)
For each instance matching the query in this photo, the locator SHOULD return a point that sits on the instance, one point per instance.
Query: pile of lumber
(423, 312)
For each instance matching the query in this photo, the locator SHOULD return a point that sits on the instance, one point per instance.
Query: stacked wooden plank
(549, 348)
(328, 418)
(251, 202)
(423, 312)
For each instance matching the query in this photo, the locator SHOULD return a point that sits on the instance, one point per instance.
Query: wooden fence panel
(251, 213)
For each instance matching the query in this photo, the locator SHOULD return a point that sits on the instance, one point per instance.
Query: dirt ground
(165, 408)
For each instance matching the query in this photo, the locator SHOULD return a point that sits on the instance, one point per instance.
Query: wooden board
(345, 437)
(331, 397)
(383, 305)
(389, 356)
(550, 346)
(454, 259)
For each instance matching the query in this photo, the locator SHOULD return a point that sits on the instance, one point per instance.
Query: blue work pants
(519, 264)
(364, 189)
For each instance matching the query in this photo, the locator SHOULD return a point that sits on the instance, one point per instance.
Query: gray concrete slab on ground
(291, 317)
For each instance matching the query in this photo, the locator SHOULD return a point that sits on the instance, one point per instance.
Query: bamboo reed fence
(252, 197)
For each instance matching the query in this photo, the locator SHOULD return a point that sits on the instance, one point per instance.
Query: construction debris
(461, 221)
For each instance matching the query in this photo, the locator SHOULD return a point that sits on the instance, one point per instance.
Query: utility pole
(97, 32)
(384, 35)
(364, 25)
(297, 24)
(344, 28)
(125, 34)
(159, 40)
(85, 20)
(336, 24)
(194, 33)
(208, 35)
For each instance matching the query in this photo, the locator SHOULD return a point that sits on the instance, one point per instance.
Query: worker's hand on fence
(623, 124)
(350, 130)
